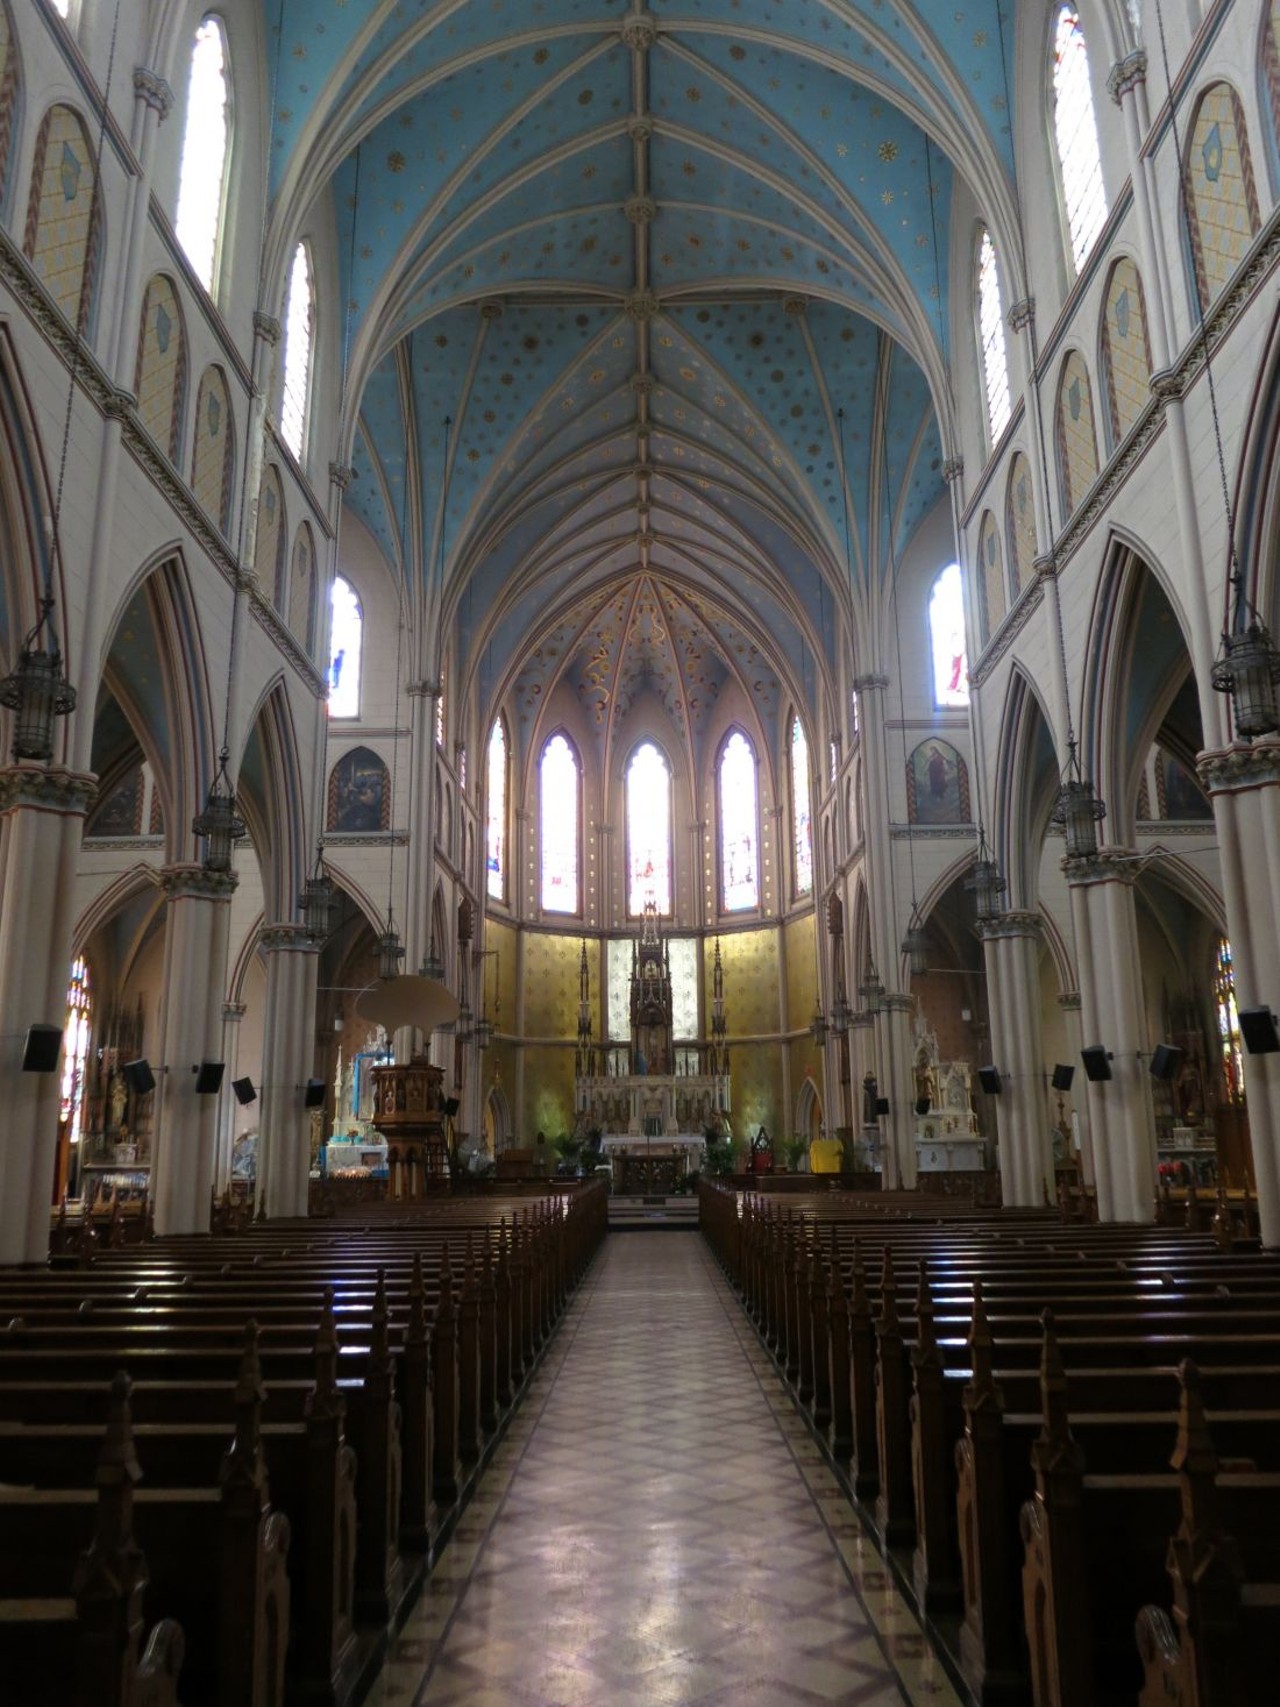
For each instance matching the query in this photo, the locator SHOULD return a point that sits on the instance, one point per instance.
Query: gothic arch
(26, 496)
(270, 777)
(1026, 782)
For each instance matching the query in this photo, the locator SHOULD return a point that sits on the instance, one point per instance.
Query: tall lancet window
(739, 826)
(346, 631)
(561, 794)
(496, 831)
(946, 639)
(1075, 129)
(75, 1058)
(299, 333)
(202, 176)
(801, 825)
(648, 830)
(995, 358)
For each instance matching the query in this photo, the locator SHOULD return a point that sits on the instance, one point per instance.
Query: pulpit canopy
(396, 1003)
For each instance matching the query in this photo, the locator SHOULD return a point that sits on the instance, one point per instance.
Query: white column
(288, 1055)
(1244, 784)
(1069, 1002)
(197, 920)
(896, 1053)
(1121, 1113)
(1009, 944)
(42, 812)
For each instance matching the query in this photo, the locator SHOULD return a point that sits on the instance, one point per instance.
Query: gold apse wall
(549, 984)
(752, 1009)
(802, 992)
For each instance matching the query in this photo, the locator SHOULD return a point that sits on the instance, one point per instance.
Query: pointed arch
(213, 449)
(139, 880)
(10, 95)
(64, 230)
(991, 584)
(947, 648)
(160, 380)
(1222, 200)
(992, 351)
(801, 810)
(206, 147)
(358, 801)
(302, 587)
(560, 824)
(270, 773)
(272, 537)
(1075, 132)
(299, 353)
(26, 497)
(1077, 439)
(1026, 785)
(1124, 349)
(1020, 523)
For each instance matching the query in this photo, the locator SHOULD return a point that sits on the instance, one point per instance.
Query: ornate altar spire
(584, 1059)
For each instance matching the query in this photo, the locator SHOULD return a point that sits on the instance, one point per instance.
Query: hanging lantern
(818, 1025)
(483, 1032)
(915, 945)
(432, 965)
(462, 1029)
(390, 951)
(984, 881)
(1248, 670)
(319, 901)
(1078, 811)
(841, 1015)
(871, 990)
(37, 691)
(219, 826)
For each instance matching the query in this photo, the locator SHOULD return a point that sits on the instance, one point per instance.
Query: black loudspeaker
(989, 1079)
(138, 1076)
(209, 1078)
(42, 1048)
(1165, 1061)
(1062, 1077)
(244, 1090)
(882, 1105)
(451, 1106)
(922, 1105)
(1258, 1028)
(313, 1094)
(1097, 1064)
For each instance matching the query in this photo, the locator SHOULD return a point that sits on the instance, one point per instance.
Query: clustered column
(1010, 944)
(288, 1054)
(42, 813)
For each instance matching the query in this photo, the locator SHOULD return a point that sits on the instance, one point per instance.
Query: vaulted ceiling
(655, 292)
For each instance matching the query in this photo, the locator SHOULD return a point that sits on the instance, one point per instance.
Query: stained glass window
(946, 637)
(440, 711)
(202, 176)
(648, 830)
(995, 359)
(496, 831)
(299, 329)
(1224, 990)
(346, 632)
(75, 1042)
(560, 797)
(462, 769)
(801, 825)
(1075, 130)
(739, 831)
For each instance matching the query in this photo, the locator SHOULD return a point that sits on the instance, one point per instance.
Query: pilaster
(288, 1054)
(1010, 943)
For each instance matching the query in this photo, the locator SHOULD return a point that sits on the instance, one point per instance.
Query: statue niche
(651, 1051)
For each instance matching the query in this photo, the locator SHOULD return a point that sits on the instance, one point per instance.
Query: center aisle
(658, 1528)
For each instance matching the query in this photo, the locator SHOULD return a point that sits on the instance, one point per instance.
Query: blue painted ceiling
(668, 274)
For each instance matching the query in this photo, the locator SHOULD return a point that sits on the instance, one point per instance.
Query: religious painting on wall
(937, 785)
(359, 794)
(1181, 796)
(120, 813)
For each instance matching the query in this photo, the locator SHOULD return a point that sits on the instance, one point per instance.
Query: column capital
(1254, 764)
(953, 469)
(1108, 865)
(341, 475)
(294, 938)
(234, 1011)
(1021, 313)
(266, 326)
(425, 689)
(1002, 926)
(151, 87)
(869, 683)
(1126, 74)
(190, 882)
(897, 1002)
(1069, 1001)
(46, 788)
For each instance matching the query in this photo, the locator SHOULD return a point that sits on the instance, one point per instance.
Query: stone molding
(641, 305)
(234, 1011)
(640, 209)
(795, 306)
(1021, 313)
(639, 31)
(367, 839)
(112, 844)
(1069, 1001)
(1241, 766)
(868, 683)
(1108, 865)
(1006, 926)
(341, 475)
(640, 127)
(151, 87)
(1024, 608)
(895, 1002)
(266, 326)
(293, 939)
(194, 883)
(46, 788)
(1126, 74)
(425, 689)
(932, 832)
(953, 469)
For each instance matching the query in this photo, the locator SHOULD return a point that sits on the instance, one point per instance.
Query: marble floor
(658, 1528)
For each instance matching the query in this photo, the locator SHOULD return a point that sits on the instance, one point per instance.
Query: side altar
(947, 1136)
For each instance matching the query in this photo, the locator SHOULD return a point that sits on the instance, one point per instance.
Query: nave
(659, 1527)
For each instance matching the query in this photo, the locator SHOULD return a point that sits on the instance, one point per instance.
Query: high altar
(947, 1135)
(653, 1098)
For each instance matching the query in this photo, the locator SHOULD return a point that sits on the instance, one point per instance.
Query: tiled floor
(658, 1528)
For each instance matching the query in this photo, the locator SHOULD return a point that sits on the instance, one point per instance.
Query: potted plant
(794, 1150)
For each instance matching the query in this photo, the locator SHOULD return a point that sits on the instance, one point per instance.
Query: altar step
(626, 1213)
